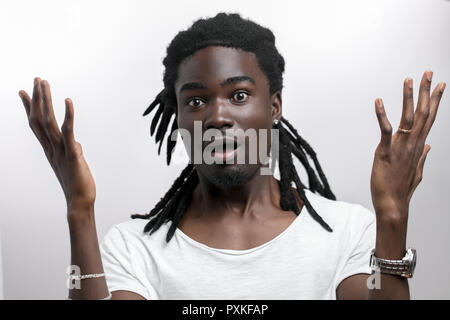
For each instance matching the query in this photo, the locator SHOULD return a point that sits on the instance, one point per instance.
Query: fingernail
(410, 83)
(443, 87)
(429, 75)
(379, 103)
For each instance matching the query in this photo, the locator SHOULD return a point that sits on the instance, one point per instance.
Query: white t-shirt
(305, 261)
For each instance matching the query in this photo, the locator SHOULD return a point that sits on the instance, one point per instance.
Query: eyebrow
(228, 81)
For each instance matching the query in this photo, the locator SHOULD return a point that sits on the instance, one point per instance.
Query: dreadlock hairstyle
(229, 30)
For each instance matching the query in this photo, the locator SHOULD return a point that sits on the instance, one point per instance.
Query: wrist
(77, 203)
(390, 251)
(80, 216)
(391, 238)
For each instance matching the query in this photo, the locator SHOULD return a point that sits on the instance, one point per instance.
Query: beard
(226, 177)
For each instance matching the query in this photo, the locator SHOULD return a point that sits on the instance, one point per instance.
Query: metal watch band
(404, 267)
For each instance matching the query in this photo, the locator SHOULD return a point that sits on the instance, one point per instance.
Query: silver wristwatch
(404, 267)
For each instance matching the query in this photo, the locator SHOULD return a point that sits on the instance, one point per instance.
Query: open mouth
(224, 149)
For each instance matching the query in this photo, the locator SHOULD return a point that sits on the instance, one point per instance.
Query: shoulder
(131, 233)
(131, 226)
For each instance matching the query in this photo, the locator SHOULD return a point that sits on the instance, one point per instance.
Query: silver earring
(275, 121)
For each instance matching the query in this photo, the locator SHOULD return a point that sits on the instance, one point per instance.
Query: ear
(275, 101)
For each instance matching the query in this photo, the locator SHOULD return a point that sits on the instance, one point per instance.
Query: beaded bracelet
(86, 276)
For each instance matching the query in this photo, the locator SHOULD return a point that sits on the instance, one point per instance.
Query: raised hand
(399, 159)
(63, 152)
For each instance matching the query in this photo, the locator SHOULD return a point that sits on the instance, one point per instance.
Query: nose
(218, 115)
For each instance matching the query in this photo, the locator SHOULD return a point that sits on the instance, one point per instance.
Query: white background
(107, 56)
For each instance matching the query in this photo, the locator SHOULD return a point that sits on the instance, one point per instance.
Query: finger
(385, 125)
(407, 120)
(434, 106)
(67, 127)
(49, 120)
(423, 104)
(36, 109)
(26, 100)
(35, 119)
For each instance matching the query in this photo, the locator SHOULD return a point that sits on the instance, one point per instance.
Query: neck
(255, 197)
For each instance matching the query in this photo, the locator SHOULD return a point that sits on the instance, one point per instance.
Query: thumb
(419, 170)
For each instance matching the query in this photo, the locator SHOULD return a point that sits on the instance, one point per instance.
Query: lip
(225, 156)
(227, 153)
(221, 141)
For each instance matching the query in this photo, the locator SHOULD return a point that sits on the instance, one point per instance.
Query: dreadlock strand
(178, 183)
(185, 202)
(287, 199)
(153, 104)
(172, 190)
(162, 129)
(178, 199)
(314, 183)
(156, 118)
(171, 143)
(299, 152)
(327, 190)
(300, 187)
(311, 210)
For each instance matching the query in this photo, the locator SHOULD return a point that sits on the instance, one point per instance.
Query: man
(226, 231)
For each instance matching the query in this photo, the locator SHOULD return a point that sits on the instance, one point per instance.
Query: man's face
(225, 89)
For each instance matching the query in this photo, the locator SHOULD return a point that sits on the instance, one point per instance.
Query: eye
(195, 102)
(240, 96)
